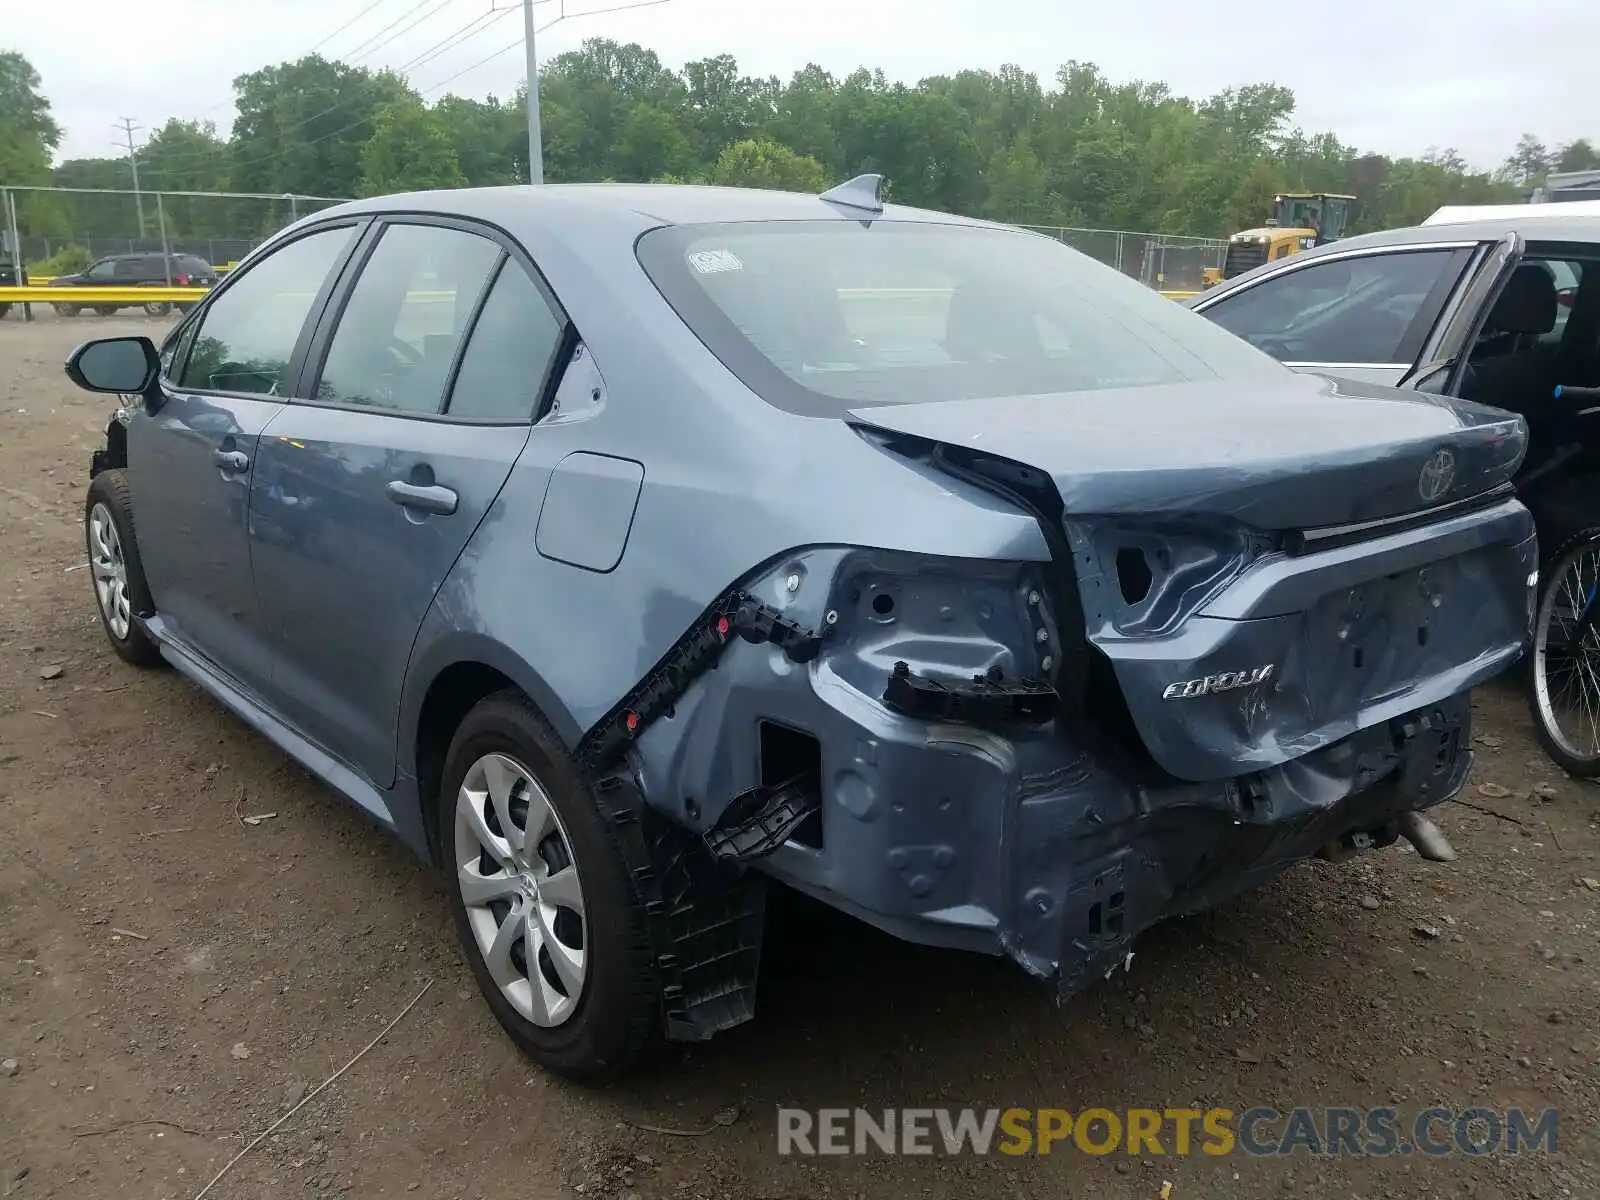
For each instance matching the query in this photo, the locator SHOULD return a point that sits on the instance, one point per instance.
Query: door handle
(231, 460)
(432, 498)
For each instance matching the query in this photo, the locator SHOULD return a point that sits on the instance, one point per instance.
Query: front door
(1365, 316)
(191, 459)
(363, 499)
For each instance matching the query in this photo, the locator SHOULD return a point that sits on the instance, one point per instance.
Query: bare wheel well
(115, 455)
(450, 697)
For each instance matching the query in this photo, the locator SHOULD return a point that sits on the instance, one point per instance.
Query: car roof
(634, 206)
(1539, 224)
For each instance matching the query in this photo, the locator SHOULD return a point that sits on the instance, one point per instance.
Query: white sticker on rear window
(710, 262)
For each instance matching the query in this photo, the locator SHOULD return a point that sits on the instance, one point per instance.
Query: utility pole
(535, 136)
(127, 126)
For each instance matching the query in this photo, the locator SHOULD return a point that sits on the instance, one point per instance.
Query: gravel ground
(173, 979)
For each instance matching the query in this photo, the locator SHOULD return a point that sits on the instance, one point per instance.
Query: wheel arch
(442, 689)
(115, 454)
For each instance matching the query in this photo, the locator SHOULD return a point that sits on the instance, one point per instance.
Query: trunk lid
(1299, 452)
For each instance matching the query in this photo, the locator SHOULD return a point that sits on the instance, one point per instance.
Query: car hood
(1292, 452)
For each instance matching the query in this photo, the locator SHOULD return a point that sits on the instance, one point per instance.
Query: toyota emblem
(1438, 473)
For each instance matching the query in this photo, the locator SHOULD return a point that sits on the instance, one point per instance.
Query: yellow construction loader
(1299, 221)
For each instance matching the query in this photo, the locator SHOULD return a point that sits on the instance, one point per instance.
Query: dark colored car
(8, 278)
(137, 270)
(623, 548)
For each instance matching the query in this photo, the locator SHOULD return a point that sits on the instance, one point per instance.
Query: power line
(462, 34)
(399, 33)
(346, 25)
(356, 50)
(466, 33)
(441, 46)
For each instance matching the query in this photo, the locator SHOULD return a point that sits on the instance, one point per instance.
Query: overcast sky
(1396, 76)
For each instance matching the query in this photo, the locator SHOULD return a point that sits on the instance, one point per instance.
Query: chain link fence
(64, 230)
(1165, 261)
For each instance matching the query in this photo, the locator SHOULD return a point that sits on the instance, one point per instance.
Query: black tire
(157, 308)
(1538, 691)
(109, 489)
(4, 309)
(616, 1020)
(63, 309)
(107, 310)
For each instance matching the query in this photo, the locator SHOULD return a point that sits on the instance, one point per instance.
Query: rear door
(1365, 315)
(425, 380)
(191, 460)
(1444, 357)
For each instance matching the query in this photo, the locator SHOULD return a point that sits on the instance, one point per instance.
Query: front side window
(105, 269)
(247, 335)
(1349, 310)
(509, 354)
(398, 335)
(819, 317)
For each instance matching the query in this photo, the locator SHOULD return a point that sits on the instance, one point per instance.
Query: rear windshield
(819, 317)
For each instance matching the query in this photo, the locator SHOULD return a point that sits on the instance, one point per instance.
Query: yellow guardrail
(88, 296)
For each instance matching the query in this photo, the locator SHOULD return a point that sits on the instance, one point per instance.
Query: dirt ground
(174, 979)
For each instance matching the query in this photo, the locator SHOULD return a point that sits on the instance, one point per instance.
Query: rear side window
(819, 317)
(509, 356)
(247, 335)
(398, 334)
(1374, 309)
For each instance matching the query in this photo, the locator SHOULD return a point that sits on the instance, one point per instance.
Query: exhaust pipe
(1426, 837)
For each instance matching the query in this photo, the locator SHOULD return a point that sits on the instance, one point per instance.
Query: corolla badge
(1438, 473)
(1210, 685)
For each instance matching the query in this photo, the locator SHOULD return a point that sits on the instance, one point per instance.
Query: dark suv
(137, 270)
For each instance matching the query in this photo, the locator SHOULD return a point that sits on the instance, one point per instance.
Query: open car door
(1443, 363)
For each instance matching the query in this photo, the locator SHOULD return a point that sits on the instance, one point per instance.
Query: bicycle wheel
(1565, 696)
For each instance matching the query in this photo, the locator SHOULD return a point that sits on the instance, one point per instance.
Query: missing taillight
(786, 755)
(1133, 574)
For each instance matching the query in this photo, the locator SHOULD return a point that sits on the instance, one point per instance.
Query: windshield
(818, 317)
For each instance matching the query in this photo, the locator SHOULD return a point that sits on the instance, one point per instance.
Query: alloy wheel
(519, 883)
(110, 572)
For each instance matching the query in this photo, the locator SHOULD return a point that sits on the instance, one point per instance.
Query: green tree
(1528, 163)
(302, 126)
(28, 138)
(1579, 155)
(410, 150)
(761, 163)
(1079, 149)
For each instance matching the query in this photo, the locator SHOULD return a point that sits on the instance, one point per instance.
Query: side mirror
(124, 365)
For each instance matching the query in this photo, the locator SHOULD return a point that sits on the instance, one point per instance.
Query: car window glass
(398, 334)
(105, 269)
(248, 333)
(176, 347)
(1349, 310)
(1568, 277)
(509, 352)
(821, 316)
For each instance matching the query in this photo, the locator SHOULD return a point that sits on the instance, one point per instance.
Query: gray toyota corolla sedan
(625, 548)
